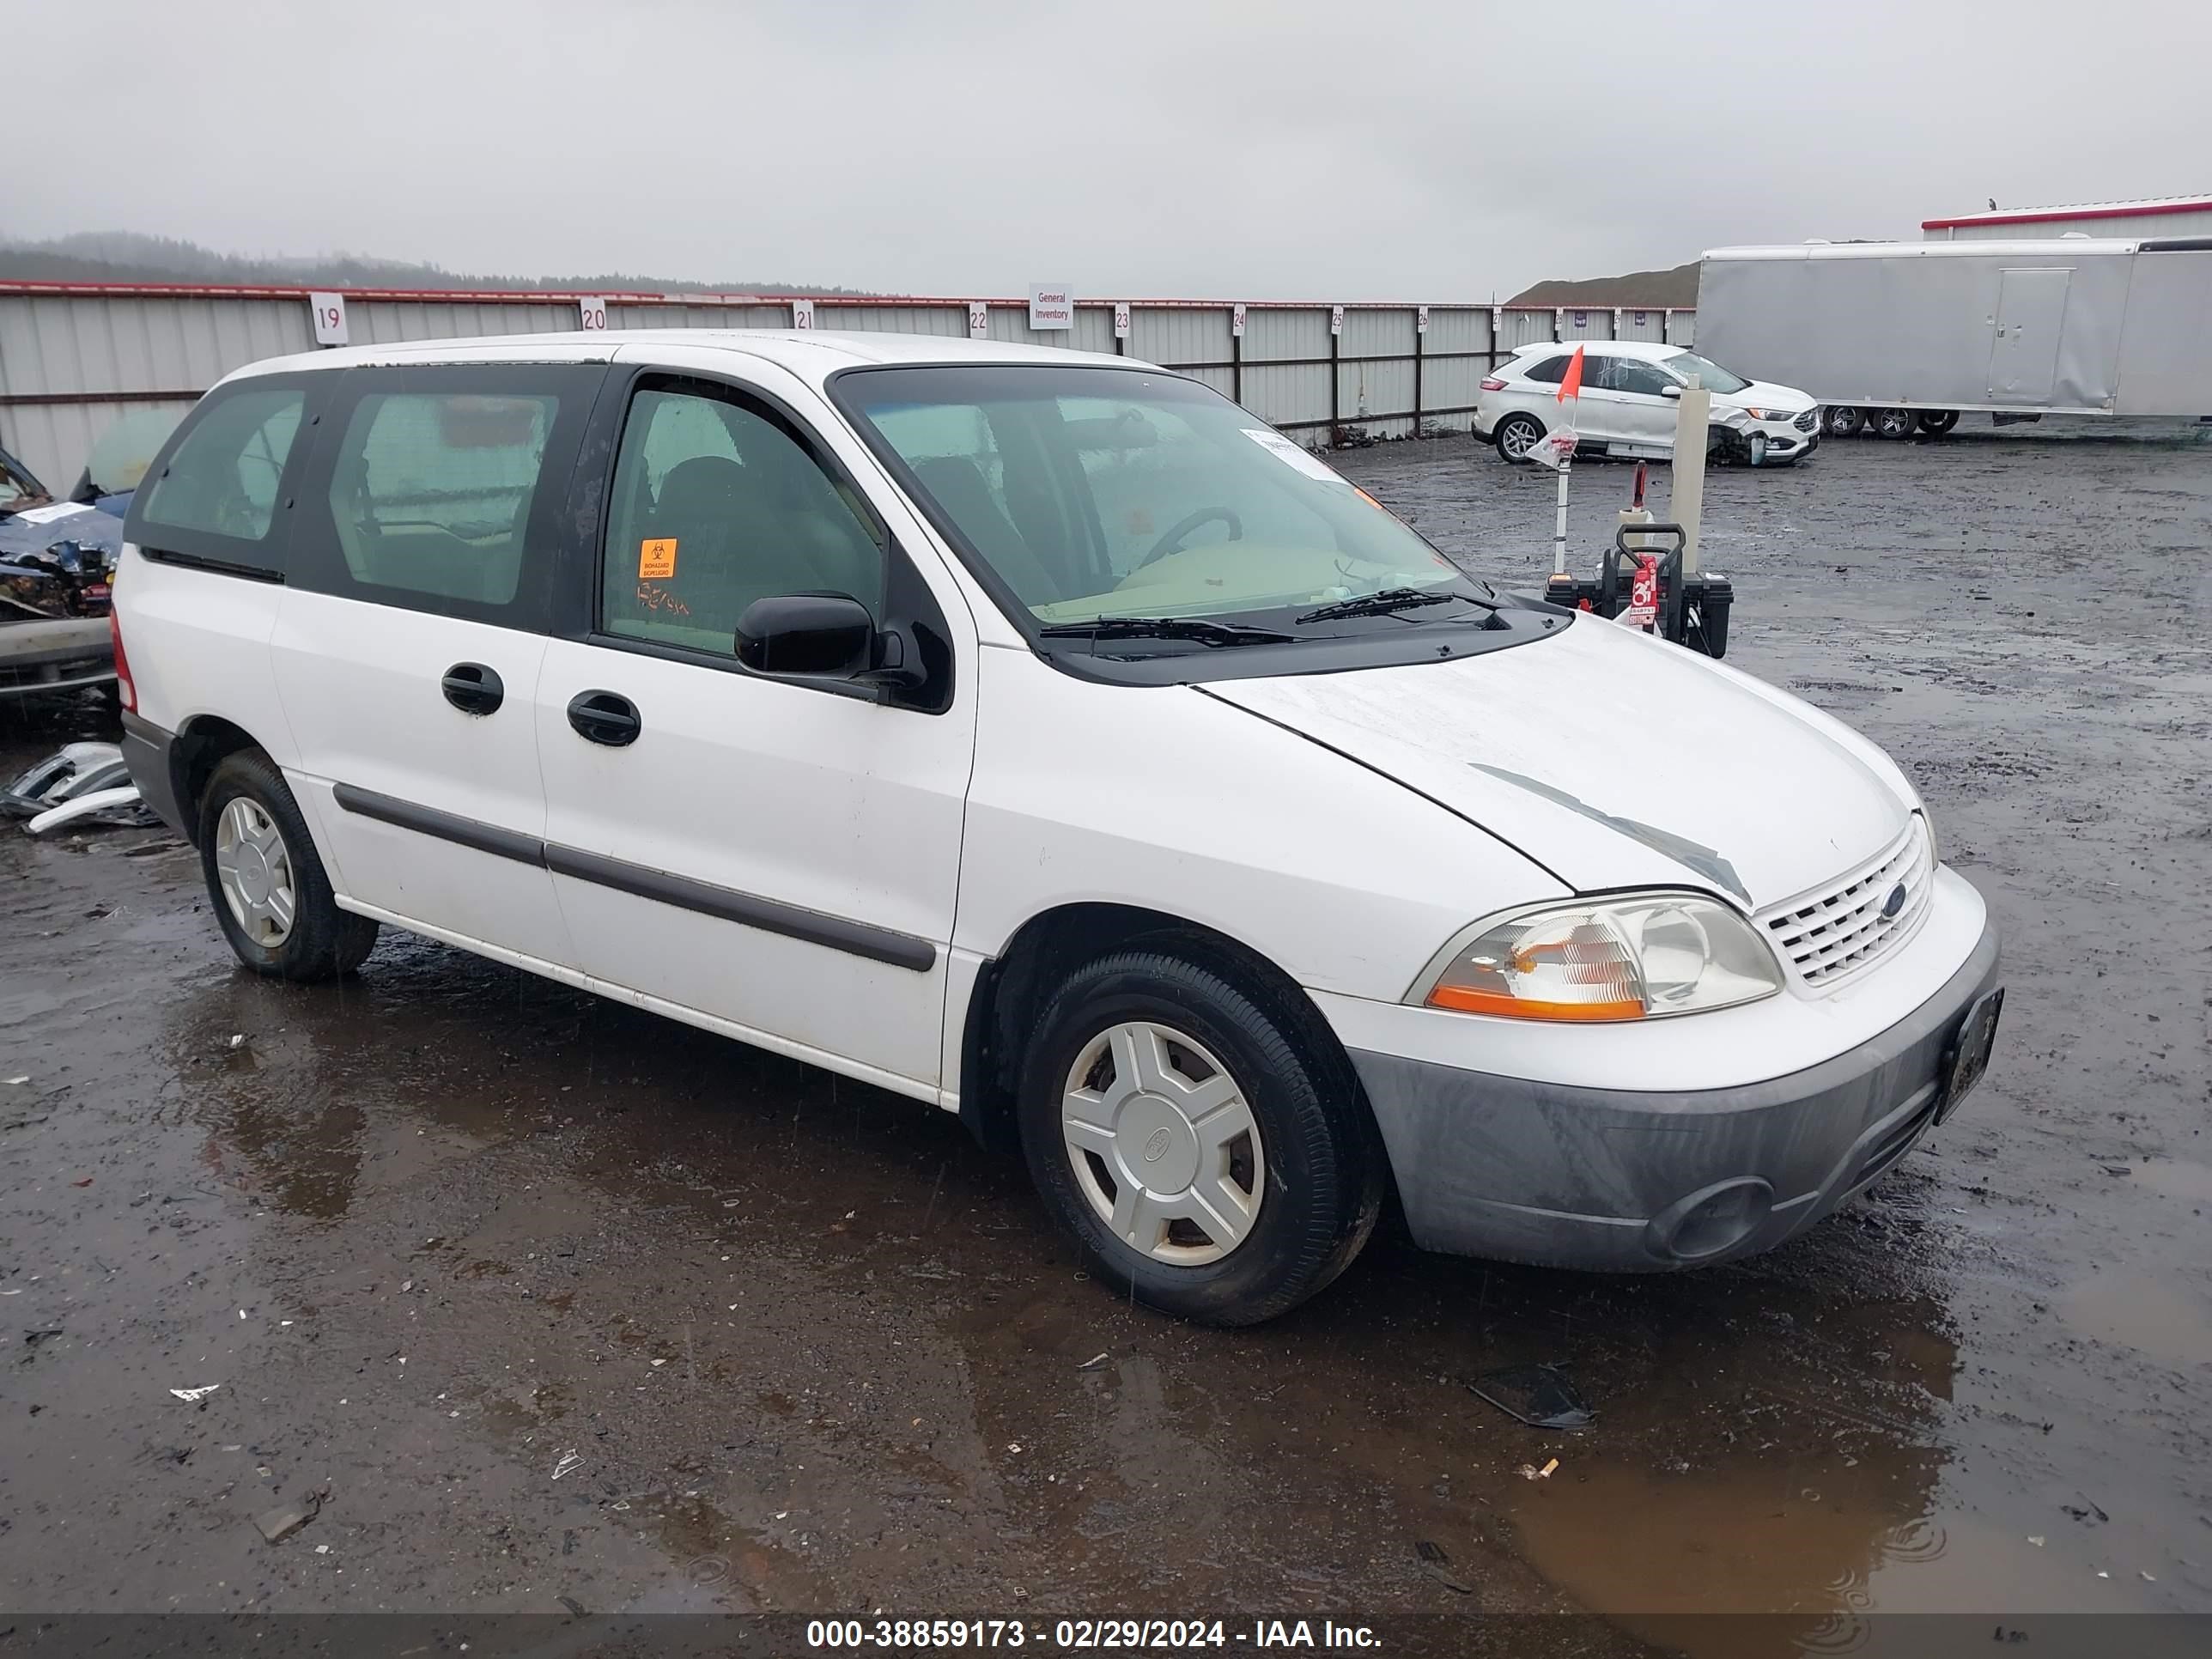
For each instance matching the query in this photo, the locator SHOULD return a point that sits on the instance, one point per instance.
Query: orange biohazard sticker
(656, 558)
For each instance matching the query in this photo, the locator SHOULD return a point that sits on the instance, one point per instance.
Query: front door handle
(607, 717)
(473, 689)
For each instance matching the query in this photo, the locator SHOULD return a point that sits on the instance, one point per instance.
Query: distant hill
(1652, 289)
(123, 255)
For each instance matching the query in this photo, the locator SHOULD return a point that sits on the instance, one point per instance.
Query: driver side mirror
(825, 636)
(1670, 390)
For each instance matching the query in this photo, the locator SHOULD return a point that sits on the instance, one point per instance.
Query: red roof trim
(2051, 215)
(655, 297)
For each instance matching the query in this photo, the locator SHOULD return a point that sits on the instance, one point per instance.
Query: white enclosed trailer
(1906, 335)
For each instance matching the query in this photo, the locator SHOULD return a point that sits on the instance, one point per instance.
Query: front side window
(223, 479)
(716, 504)
(1095, 493)
(431, 493)
(1633, 374)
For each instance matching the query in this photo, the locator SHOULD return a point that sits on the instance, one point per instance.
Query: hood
(1612, 759)
(56, 560)
(1766, 394)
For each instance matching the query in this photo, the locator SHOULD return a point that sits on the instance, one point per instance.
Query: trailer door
(2024, 353)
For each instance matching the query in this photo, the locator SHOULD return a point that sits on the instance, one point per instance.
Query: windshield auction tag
(48, 514)
(1291, 455)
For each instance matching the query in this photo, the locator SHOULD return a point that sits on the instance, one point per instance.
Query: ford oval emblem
(1893, 903)
(1156, 1144)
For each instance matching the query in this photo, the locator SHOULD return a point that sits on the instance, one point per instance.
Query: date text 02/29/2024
(1083, 1635)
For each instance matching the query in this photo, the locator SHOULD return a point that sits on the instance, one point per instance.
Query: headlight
(1783, 416)
(1634, 957)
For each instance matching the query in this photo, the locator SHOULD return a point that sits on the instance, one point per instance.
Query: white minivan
(1041, 736)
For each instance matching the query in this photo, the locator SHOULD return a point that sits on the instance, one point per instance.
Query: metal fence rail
(75, 356)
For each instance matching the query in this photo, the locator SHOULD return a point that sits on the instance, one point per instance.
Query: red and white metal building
(2159, 216)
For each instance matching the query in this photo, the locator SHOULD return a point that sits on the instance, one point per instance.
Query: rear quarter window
(216, 491)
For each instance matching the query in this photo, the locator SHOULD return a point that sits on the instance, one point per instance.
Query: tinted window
(222, 479)
(717, 504)
(432, 493)
(1551, 372)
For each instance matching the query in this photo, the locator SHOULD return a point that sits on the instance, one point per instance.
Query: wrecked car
(57, 562)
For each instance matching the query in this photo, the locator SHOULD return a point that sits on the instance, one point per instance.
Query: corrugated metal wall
(74, 359)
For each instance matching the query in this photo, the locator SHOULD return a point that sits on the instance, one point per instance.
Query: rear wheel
(1896, 422)
(265, 883)
(1937, 422)
(1845, 420)
(1516, 435)
(1208, 1155)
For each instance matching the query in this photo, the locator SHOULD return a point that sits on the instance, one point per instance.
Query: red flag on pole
(1571, 385)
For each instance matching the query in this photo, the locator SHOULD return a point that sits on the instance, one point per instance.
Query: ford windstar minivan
(1041, 736)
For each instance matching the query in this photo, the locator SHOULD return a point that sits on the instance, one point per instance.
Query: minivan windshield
(1711, 376)
(1096, 494)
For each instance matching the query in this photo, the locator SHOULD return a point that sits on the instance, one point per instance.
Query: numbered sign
(1336, 319)
(329, 318)
(802, 313)
(1120, 320)
(1236, 321)
(593, 311)
(1421, 320)
(979, 320)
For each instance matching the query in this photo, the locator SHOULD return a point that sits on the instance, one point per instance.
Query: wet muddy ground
(556, 1299)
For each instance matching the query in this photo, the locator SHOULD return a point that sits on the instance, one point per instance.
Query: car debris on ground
(285, 1519)
(1539, 1395)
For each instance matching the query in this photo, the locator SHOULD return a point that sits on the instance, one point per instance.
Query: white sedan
(1627, 405)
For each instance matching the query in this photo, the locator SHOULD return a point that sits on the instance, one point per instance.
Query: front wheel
(265, 883)
(1209, 1154)
(1845, 420)
(1516, 435)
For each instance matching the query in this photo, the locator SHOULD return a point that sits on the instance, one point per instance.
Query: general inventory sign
(1052, 304)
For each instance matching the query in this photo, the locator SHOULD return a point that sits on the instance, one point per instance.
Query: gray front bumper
(1627, 1182)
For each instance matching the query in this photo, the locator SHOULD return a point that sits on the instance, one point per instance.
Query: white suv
(1038, 735)
(1628, 405)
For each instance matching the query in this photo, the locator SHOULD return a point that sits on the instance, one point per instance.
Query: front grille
(1807, 421)
(1831, 934)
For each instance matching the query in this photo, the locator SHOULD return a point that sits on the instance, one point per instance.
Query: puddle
(2159, 1321)
(1805, 1540)
(2191, 1182)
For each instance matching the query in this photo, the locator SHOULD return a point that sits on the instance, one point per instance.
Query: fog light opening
(1712, 1221)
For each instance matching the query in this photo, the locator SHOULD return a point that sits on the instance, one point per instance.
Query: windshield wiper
(1383, 603)
(1166, 627)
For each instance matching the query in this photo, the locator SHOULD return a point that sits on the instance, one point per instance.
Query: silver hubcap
(1520, 438)
(1164, 1144)
(255, 868)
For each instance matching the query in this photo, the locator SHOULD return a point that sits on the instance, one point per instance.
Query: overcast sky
(1354, 150)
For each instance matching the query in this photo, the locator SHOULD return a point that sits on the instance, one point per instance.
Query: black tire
(1937, 422)
(1897, 423)
(324, 942)
(1520, 421)
(1324, 1161)
(1845, 420)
